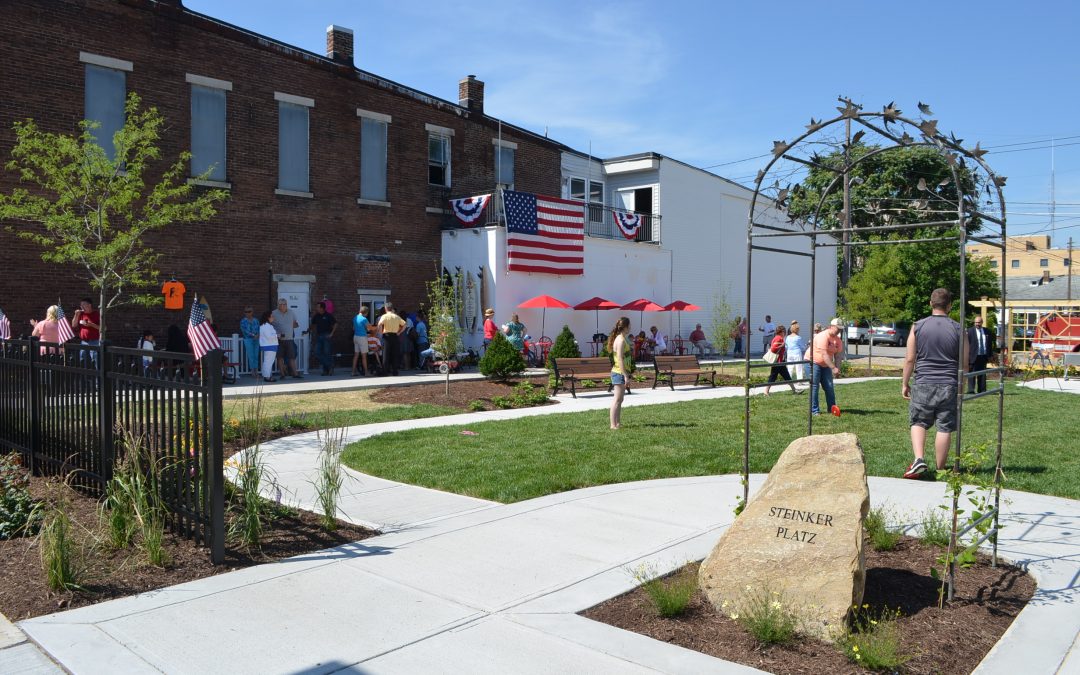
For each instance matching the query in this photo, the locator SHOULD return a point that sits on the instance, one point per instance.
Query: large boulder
(800, 537)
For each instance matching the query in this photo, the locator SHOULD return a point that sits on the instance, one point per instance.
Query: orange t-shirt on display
(174, 294)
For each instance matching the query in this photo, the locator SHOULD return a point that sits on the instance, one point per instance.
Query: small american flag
(200, 333)
(544, 234)
(63, 325)
(5, 326)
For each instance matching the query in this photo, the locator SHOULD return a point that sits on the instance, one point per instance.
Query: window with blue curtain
(373, 159)
(504, 165)
(293, 147)
(208, 132)
(104, 103)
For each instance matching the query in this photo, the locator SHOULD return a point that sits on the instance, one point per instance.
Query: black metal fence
(67, 409)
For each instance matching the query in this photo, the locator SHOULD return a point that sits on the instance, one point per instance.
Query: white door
(626, 199)
(298, 294)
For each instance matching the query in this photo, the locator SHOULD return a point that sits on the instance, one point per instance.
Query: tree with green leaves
(502, 360)
(444, 334)
(720, 328)
(910, 184)
(872, 294)
(84, 208)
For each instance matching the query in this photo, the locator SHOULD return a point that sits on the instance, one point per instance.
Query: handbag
(770, 356)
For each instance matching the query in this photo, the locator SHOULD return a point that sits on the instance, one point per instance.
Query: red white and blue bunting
(628, 223)
(470, 209)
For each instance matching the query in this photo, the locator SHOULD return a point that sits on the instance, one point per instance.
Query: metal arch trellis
(967, 209)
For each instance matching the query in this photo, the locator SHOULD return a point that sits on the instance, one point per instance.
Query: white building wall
(704, 226)
(616, 270)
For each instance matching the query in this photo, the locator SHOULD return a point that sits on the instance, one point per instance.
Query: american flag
(5, 326)
(544, 234)
(200, 333)
(63, 325)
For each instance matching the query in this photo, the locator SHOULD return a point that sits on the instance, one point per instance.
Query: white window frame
(509, 145)
(446, 134)
(224, 85)
(307, 103)
(385, 119)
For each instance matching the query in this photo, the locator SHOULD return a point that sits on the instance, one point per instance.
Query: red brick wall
(345, 245)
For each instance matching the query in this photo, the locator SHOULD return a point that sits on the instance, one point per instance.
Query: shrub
(882, 537)
(17, 507)
(873, 643)
(501, 360)
(670, 595)
(936, 529)
(477, 405)
(766, 616)
(565, 347)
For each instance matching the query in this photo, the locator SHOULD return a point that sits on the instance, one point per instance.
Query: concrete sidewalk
(497, 590)
(465, 585)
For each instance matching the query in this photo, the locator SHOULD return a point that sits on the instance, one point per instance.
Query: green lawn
(521, 459)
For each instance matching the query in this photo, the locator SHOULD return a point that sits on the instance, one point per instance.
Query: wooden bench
(574, 370)
(674, 366)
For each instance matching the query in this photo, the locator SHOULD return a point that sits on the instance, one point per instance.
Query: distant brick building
(338, 178)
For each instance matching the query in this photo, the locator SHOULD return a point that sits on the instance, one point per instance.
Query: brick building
(338, 179)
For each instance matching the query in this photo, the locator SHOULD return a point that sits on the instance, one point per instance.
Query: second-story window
(505, 154)
(293, 157)
(208, 127)
(104, 98)
(1044, 262)
(1014, 263)
(439, 160)
(373, 133)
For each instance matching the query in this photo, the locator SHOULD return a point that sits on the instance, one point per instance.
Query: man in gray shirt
(285, 322)
(934, 353)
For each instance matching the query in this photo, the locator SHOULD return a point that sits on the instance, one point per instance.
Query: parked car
(894, 334)
(858, 332)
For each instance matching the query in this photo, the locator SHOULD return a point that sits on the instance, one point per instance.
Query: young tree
(83, 207)
(444, 334)
(720, 328)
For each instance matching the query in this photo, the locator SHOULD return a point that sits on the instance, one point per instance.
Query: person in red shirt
(700, 343)
(87, 325)
(489, 326)
(778, 346)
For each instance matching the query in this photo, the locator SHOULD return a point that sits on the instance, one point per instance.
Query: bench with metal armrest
(574, 370)
(678, 366)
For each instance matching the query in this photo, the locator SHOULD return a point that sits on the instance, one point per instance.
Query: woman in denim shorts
(616, 346)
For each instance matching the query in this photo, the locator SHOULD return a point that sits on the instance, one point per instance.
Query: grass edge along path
(513, 460)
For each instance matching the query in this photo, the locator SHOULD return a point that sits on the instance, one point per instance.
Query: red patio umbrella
(543, 301)
(681, 306)
(596, 303)
(642, 305)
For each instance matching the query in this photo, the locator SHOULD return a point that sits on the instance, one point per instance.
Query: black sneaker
(917, 469)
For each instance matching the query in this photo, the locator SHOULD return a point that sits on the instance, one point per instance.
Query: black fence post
(34, 418)
(212, 378)
(106, 413)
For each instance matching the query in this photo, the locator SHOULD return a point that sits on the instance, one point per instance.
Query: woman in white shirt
(268, 344)
(796, 346)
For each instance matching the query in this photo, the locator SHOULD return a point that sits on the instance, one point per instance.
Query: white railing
(236, 352)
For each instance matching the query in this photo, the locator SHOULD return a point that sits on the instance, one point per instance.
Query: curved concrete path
(465, 585)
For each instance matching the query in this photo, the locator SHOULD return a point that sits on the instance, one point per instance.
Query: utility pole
(1069, 284)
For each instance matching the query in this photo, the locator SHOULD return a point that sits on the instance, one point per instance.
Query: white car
(857, 332)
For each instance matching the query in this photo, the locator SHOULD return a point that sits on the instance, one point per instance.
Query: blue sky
(715, 82)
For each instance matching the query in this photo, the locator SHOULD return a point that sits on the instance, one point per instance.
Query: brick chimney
(471, 94)
(339, 44)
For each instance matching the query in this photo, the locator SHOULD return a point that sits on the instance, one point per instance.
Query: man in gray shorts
(934, 353)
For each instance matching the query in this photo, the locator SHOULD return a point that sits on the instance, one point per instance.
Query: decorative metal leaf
(858, 136)
(779, 148)
(1000, 180)
(944, 181)
(922, 184)
(906, 139)
(929, 127)
(950, 159)
(924, 108)
(760, 175)
(814, 125)
(977, 152)
(849, 109)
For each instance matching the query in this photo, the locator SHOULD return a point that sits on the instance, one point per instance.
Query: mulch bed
(950, 640)
(462, 392)
(111, 573)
